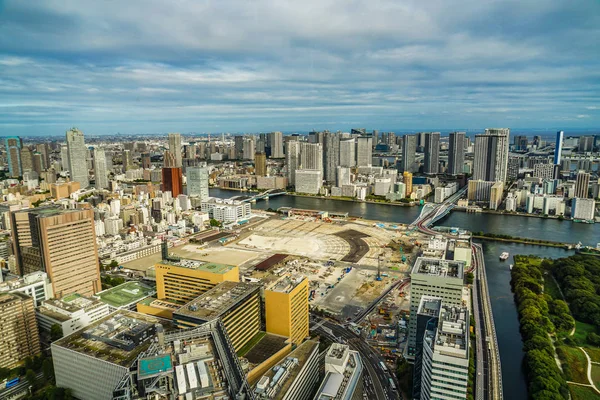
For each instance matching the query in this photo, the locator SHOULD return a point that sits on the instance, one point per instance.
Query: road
(489, 372)
(360, 316)
(377, 381)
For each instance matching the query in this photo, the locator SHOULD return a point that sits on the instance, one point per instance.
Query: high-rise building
(409, 149)
(520, 143)
(44, 150)
(260, 164)
(100, 171)
(146, 161)
(431, 163)
(343, 374)
(20, 337)
(175, 148)
(586, 143)
(172, 181)
(275, 141)
(292, 160)
(248, 148)
(433, 277)
(60, 242)
(127, 160)
(286, 308)
(197, 182)
(456, 153)
(38, 163)
(26, 160)
(347, 153)
(441, 368)
(315, 137)
(13, 145)
(558, 147)
(77, 157)
(190, 151)
(308, 181)
(331, 155)
(582, 185)
(239, 146)
(364, 150)
(311, 156)
(407, 179)
(583, 209)
(236, 304)
(491, 155)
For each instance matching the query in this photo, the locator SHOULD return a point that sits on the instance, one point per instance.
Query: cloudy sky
(257, 65)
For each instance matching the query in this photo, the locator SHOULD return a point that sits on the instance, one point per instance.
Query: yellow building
(407, 178)
(237, 304)
(182, 281)
(286, 308)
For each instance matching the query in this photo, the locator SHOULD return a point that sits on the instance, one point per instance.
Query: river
(498, 272)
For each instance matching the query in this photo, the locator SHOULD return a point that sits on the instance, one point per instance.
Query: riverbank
(352, 200)
(536, 242)
(515, 214)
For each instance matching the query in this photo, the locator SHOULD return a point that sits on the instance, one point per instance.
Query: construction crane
(379, 261)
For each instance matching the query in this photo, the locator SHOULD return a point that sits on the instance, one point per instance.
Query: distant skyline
(141, 67)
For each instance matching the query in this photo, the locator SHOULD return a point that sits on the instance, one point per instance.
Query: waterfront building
(331, 156)
(407, 179)
(13, 145)
(343, 374)
(275, 141)
(77, 157)
(558, 147)
(175, 149)
(409, 149)
(364, 150)
(479, 191)
(308, 181)
(496, 195)
(382, 186)
(583, 209)
(343, 176)
(491, 155)
(431, 163)
(260, 164)
(100, 170)
(236, 304)
(311, 156)
(456, 153)
(61, 243)
(35, 284)
(226, 210)
(181, 281)
(433, 277)
(71, 312)
(511, 202)
(347, 153)
(292, 160)
(172, 180)
(197, 182)
(295, 378)
(582, 184)
(20, 337)
(443, 362)
(286, 308)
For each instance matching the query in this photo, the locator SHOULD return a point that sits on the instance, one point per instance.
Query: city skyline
(125, 69)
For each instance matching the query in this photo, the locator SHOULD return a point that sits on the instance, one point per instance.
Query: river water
(498, 272)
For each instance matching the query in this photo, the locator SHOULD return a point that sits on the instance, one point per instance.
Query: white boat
(510, 267)
(504, 256)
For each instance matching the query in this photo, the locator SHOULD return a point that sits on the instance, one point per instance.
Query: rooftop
(286, 284)
(200, 265)
(125, 294)
(60, 309)
(213, 303)
(278, 383)
(438, 267)
(430, 305)
(264, 349)
(118, 338)
(452, 334)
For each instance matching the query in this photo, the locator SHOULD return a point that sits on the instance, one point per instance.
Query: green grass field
(594, 353)
(581, 331)
(551, 288)
(576, 362)
(124, 294)
(583, 393)
(248, 346)
(596, 374)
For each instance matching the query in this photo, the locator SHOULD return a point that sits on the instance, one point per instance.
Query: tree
(214, 222)
(30, 377)
(113, 264)
(48, 370)
(470, 278)
(56, 332)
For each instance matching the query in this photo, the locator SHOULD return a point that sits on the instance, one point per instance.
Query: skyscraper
(456, 153)
(491, 155)
(126, 159)
(311, 156)
(197, 182)
(248, 148)
(558, 147)
(331, 155)
(77, 157)
(260, 164)
(432, 153)
(172, 180)
(292, 160)
(239, 146)
(26, 159)
(364, 151)
(347, 153)
(20, 337)
(276, 144)
(100, 172)
(60, 242)
(175, 148)
(14, 144)
(586, 143)
(582, 185)
(409, 149)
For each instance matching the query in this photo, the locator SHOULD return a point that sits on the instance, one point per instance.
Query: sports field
(125, 294)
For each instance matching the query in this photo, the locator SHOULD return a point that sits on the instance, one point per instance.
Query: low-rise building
(71, 313)
(35, 284)
(125, 296)
(226, 210)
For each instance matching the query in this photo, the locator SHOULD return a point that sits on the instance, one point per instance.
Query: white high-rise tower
(77, 156)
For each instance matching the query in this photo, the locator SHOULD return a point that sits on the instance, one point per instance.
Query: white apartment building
(72, 313)
(583, 209)
(309, 181)
(225, 210)
(36, 284)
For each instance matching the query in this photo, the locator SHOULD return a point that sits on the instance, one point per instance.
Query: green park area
(559, 314)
